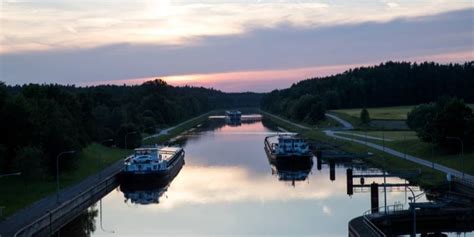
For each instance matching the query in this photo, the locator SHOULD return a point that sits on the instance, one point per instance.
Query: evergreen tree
(364, 116)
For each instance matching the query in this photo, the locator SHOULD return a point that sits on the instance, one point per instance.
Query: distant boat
(289, 151)
(152, 166)
(233, 116)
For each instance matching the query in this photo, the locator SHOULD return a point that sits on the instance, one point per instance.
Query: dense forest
(387, 84)
(40, 121)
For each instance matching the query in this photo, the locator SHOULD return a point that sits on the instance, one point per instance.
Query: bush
(364, 116)
(316, 113)
(29, 162)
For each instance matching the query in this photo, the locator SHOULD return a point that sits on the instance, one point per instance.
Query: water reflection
(83, 225)
(290, 175)
(228, 187)
(144, 197)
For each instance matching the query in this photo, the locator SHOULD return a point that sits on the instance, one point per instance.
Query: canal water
(228, 187)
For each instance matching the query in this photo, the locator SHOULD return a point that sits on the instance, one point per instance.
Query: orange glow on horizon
(267, 80)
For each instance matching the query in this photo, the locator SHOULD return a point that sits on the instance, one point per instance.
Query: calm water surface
(228, 187)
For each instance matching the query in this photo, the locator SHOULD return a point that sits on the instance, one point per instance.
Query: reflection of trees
(83, 225)
(269, 124)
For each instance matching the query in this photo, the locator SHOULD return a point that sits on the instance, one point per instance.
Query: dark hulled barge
(289, 151)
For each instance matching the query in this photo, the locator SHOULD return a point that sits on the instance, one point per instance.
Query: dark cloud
(280, 47)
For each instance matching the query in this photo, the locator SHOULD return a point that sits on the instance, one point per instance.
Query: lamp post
(102, 227)
(413, 199)
(126, 135)
(432, 148)
(57, 171)
(462, 152)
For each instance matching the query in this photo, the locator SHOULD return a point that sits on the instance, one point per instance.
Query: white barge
(289, 151)
(152, 166)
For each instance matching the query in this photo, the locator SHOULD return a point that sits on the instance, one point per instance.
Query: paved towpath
(364, 136)
(346, 125)
(436, 166)
(27, 215)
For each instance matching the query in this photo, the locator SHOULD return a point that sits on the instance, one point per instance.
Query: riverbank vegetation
(19, 191)
(388, 84)
(447, 121)
(38, 122)
(409, 143)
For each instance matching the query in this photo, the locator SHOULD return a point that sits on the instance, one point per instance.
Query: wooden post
(374, 197)
(350, 189)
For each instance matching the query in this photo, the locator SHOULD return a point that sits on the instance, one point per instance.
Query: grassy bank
(407, 142)
(379, 113)
(180, 128)
(17, 193)
(386, 113)
(428, 178)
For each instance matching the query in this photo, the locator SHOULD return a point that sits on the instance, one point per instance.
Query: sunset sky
(229, 45)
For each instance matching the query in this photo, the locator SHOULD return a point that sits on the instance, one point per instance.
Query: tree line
(387, 84)
(40, 121)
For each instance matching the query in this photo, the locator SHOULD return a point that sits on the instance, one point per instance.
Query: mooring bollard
(349, 182)
(374, 197)
(332, 170)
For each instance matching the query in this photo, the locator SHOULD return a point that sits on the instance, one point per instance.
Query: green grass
(179, 129)
(386, 113)
(17, 193)
(355, 121)
(383, 113)
(394, 135)
(408, 142)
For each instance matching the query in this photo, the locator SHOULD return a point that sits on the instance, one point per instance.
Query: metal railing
(465, 181)
(67, 207)
(380, 211)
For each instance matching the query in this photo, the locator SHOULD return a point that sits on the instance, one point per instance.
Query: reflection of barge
(289, 151)
(144, 197)
(152, 166)
(285, 174)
